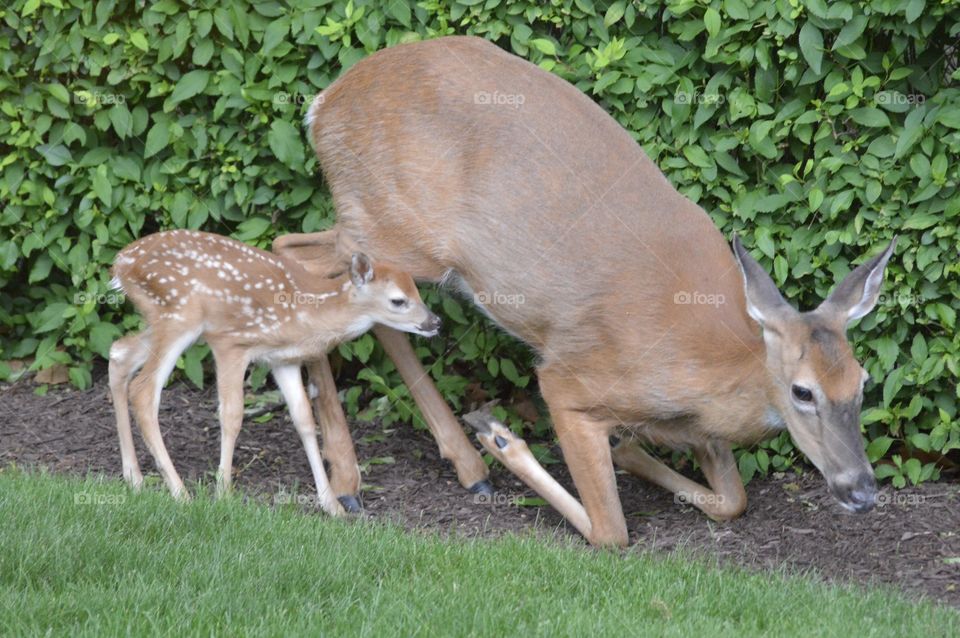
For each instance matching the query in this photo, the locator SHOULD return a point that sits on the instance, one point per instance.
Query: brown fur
(554, 201)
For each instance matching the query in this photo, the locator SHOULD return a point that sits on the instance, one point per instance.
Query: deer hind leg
(338, 447)
(291, 386)
(231, 367)
(166, 347)
(453, 443)
(727, 500)
(127, 355)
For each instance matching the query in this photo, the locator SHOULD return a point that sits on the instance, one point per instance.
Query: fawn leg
(338, 447)
(291, 386)
(167, 346)
(231, 368)
(453, 443)
(127, 355)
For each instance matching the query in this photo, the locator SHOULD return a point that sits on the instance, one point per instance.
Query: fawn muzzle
(431, 326)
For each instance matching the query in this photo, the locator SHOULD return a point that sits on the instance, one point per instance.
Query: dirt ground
(912, 541)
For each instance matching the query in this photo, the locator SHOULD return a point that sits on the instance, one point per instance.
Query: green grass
(142, 564)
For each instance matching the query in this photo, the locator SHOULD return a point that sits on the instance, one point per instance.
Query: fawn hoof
(482, 487)
(350, 503)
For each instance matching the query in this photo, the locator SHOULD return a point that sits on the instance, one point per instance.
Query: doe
(248, 305)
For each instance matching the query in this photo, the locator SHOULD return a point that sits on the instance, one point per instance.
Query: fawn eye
(802, 394)
(398, 302)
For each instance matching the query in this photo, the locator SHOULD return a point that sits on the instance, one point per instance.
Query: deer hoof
(484, 488)
(351, 504)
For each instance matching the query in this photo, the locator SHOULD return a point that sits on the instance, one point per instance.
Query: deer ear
(361, 270)
(765, 304)
(857, 294)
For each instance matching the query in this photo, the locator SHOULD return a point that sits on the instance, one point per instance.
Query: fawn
(249, 305)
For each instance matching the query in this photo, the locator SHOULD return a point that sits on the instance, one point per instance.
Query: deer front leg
(291, 386)
(338, 447)
(453, 443)
(727, 499)
(514, 454)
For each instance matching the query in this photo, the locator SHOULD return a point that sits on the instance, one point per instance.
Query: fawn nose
(432, 324)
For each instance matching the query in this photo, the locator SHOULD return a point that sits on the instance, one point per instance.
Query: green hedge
(815, 129)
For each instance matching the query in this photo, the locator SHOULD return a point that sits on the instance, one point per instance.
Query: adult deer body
(546, 199)
(249, 305)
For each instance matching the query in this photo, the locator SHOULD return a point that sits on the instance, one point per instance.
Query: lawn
(87, 557)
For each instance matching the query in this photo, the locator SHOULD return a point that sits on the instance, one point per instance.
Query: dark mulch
(912, 541)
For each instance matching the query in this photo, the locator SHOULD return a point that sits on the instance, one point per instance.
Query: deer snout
(856, 492)
(431, 326)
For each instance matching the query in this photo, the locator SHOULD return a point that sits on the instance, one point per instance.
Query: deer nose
(859, 495)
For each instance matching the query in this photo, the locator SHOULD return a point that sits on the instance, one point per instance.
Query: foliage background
(815, 129)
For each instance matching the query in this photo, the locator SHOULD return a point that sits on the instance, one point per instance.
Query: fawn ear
(858, 293)
(361, 270)
(765, 304)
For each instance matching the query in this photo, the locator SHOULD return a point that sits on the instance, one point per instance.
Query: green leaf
(764, 241)
(190, 85)
(921, 221)
(887, 352)
(284, 140)
(453, 310)
(870, 116)
(697, 156)
(878, 448)
(614, 13)
(544, 46)
(157, 138)
(914, 9)
(711, 20)
(51, 317)
(252, 228)
(811, 46)
(56, 155)
(400, 10)
(102, 187)
(850, 32)
(138, 40)
(29, 7)
(275, 33)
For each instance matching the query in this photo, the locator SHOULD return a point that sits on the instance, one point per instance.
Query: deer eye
(802, 394)
(398, 302)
